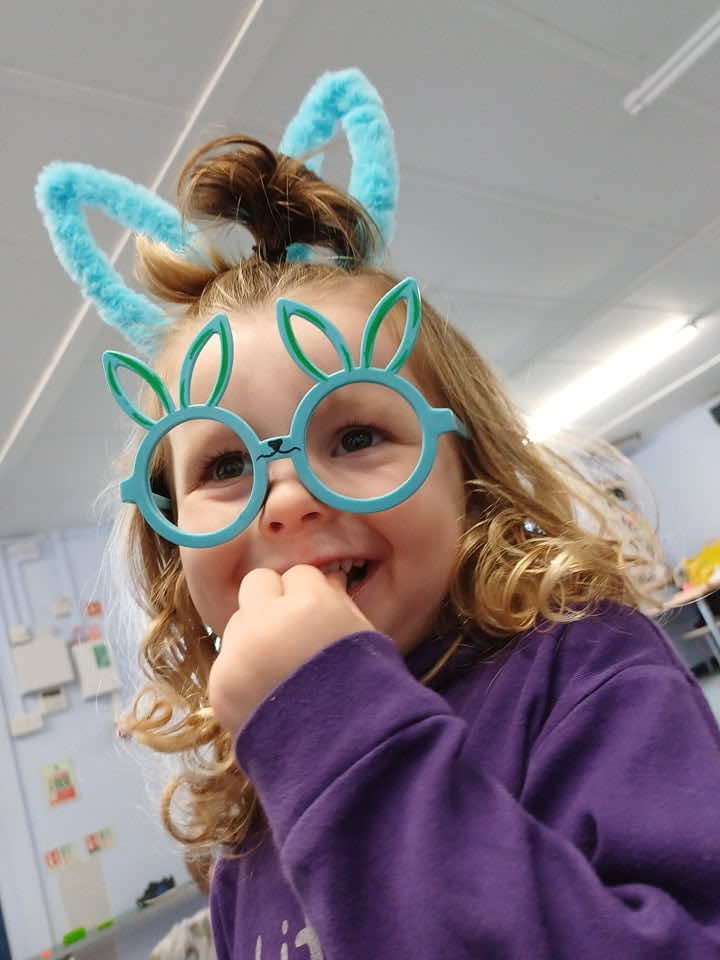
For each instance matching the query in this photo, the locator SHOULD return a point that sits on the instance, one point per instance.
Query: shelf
(698, 631)
(125, 921)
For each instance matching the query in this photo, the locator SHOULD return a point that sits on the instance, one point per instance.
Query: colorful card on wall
(60, 856)
(93, 608)
(60, 783)
(97, 671)
(101, 840)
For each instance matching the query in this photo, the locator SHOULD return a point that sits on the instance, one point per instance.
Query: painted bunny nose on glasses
(362, 439)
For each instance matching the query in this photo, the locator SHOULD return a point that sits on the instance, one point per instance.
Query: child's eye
(226, 466)
(359, 437)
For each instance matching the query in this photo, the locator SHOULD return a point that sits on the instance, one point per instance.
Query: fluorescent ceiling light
(608, 378)
(674, 67)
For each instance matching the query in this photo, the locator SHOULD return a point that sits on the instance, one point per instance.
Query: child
(420, 719)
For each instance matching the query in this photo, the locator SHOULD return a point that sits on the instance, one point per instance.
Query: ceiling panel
(690, 282)
(464, 240)
(556, 368)
(160, 52)
(649, 34)
(498, 108)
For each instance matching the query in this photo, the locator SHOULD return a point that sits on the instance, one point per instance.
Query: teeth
(344, 565)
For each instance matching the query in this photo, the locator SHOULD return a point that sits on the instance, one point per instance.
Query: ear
(61, 192)
(406, 290)
(285, 309)
(111, 361)
(348, 97)
(219, 327)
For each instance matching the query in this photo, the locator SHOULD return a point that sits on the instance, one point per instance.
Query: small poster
(60, 783)
(60, 856)
(93, 608)
(102, 840)
(96, 668)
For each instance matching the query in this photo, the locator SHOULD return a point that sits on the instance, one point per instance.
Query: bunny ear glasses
(432, 421)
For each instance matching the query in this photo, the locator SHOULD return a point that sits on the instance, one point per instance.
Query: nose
(289, 506)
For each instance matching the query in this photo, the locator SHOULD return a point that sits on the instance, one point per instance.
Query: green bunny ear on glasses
(406, 290)
(112, 360)
(65, 190)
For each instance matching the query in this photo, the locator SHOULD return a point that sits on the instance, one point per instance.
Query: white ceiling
(549, 224)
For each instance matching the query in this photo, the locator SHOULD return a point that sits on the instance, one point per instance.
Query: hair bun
(276, 197)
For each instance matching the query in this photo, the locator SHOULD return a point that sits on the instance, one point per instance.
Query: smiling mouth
(356, 577)
(359, 576)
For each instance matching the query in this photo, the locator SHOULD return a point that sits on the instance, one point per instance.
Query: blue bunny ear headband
(63, 189)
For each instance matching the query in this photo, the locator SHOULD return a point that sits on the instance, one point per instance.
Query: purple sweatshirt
(559, 803)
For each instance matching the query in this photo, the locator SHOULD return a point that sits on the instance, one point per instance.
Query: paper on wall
(60, 782)
(60, 856)
(84, 894)
(19, 633)
(23, 723)
(53, 700)
(96, 668)
(43, 663)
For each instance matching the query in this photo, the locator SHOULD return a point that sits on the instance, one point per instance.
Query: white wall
(682, 466)
(110, 778)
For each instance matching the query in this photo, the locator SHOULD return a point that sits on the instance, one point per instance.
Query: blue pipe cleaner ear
(347, 96)
(64, 189)
(61, 192)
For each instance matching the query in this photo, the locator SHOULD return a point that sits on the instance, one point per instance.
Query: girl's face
(411, 547)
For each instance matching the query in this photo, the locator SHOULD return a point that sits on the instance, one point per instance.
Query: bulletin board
(80, 807)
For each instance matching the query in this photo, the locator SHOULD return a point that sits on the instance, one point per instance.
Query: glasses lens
(212, 476)
(363, 440)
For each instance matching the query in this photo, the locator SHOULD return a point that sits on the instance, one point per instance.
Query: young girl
(428, 726)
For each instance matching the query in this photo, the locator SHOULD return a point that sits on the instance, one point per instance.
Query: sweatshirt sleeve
(220, 896)
(399, 844)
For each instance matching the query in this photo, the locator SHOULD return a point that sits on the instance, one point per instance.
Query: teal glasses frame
(434, 421)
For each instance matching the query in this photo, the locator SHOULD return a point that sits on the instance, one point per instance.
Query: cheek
(210, 577)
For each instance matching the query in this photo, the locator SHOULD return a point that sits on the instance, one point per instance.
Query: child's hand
(281, 622)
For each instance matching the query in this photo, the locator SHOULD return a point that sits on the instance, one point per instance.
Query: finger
(259, 586)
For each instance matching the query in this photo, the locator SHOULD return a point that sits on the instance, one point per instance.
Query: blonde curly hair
(522, 559)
